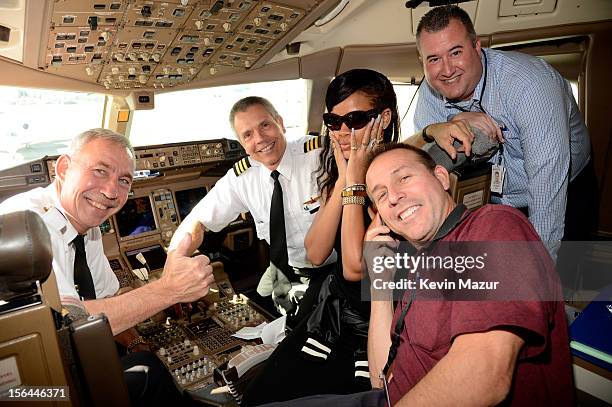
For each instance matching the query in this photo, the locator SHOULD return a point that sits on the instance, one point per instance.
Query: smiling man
(546, 151)
(92, 183)
(250, 186)
(483, 352)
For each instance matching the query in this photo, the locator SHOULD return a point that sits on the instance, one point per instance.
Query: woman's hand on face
(372, 136)
(339, 157)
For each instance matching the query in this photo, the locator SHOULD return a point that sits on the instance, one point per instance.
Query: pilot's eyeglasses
(356, 119)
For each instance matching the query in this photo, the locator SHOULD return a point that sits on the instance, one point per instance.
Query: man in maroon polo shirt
(486, 352)
(505, 346)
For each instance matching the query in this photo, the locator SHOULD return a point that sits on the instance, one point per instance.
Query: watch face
(354, 192)
(425, 136)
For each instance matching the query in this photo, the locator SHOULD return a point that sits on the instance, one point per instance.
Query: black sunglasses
(354, 120)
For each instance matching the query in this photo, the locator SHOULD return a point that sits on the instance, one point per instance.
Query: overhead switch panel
(131, 44)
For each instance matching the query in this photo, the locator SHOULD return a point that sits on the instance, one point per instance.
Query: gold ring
(354, 147)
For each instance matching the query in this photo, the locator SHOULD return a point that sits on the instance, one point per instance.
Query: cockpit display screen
(187, 199)
(136, 217)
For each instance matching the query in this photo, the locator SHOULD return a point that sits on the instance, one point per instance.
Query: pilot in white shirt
(248, 186)
(45, 202)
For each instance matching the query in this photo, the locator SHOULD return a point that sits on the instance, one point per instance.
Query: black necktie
(82, 274)
(278, 235)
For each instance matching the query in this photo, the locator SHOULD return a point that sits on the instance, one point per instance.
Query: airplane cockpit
(165, 74)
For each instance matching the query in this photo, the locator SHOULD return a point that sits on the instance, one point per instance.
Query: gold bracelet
(135, 342)
(355, 187)
(353, 200)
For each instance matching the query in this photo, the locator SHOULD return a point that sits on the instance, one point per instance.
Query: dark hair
(422, 156)
(243, 104)
(378, 88)
(439, 18)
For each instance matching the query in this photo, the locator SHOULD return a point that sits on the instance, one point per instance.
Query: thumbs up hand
(197, 237)
(186, 278)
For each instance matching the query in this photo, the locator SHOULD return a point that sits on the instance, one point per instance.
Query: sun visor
(12, 21)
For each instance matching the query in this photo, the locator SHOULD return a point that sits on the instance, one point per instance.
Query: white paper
(271, 333)
(274, 332)
(9, 374)
(250, 332)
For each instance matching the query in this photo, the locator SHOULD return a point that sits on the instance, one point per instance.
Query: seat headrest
(25, 252)
(483, 148)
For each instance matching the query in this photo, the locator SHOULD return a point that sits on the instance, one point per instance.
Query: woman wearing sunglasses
(327, 352)
(362, 112)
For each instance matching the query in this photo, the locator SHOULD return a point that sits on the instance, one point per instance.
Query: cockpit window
(39, 122)
(405, 93)
(202, 114)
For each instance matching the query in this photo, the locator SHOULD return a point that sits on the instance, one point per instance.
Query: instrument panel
(159, 157)
(191, 348)
(123, 44)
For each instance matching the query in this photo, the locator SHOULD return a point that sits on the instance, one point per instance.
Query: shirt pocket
(429, 326)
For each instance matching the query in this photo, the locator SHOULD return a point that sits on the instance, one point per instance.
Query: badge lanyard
(498, 172)
(451, 222)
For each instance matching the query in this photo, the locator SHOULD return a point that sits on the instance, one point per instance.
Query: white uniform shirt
(252, 191)
(45, 202)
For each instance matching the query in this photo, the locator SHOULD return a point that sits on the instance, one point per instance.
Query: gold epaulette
(241, 166)
(313, 144)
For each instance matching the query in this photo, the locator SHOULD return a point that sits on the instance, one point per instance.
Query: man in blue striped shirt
(520, 100)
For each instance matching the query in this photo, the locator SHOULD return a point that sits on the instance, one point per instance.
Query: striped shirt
(547, 143)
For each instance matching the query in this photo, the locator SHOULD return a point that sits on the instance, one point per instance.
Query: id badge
(498, 172)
